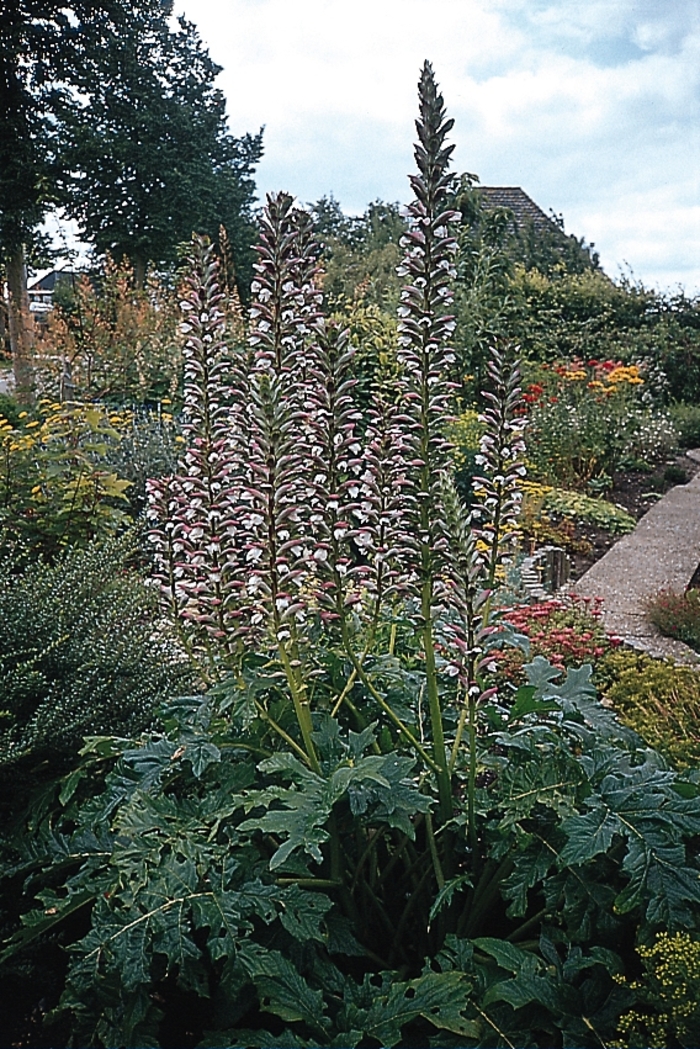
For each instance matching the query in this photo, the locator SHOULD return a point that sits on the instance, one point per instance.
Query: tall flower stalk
(425, 328)
(498, 497)
(276, 536)
(191, 512)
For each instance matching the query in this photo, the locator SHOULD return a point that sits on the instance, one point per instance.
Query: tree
(106, 111)
(22, 166)
(360, 252)
(42, 46)
(149, 157)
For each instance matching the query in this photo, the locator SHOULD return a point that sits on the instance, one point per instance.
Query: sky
(591, 106)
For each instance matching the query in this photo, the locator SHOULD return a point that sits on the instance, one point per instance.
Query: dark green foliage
(588, 316)
(10, 409)
(493, 248)
(546, 248)
(270, 895)
(674, 475)
(148, 154)
(42, 47)
(81, 653)
(686, 419)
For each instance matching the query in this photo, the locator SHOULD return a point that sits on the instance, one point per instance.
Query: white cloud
(592, 107)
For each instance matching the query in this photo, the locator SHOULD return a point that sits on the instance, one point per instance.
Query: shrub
(669, 996)
(56, 489)
(659, 700)
(686, 419)
(677, 615)
(149, 447)
(110, 342)
(81, 652)
(10, 409)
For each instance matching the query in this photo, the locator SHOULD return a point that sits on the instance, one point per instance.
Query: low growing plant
(552, 515)
(568, 632)
(659, 700)
(677, 615)
(669, 994)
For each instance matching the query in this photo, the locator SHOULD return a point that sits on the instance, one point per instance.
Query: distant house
(523, 208)
(541, 239)
(41, 292)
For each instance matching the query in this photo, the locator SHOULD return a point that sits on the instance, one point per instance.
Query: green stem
(302, 708)
(310, 883)
(439, 752)
(385, 706)
(439, 876)
(463, 714)
(398, 853)
(281, 732)
(471, 788)
(371, 845)
(413, 899)
(518, 933)
(486, 891)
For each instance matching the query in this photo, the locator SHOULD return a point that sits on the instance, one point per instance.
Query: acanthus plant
(309, 850)
(325, 520)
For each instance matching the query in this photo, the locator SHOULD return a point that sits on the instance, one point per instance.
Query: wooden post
(21, 327)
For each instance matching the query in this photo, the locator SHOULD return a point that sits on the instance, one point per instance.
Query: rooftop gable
(517, 201)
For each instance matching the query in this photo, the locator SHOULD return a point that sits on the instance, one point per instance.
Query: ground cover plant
(568, 632)
(677, 615)
(350, 836)
(659, 700)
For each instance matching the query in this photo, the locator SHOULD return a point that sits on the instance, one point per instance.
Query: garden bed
(635, 491)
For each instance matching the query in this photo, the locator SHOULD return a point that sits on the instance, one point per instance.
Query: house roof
(516, 200)
(49, 281)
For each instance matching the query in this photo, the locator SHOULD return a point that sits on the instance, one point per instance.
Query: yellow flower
(180, 440)
(23, 415)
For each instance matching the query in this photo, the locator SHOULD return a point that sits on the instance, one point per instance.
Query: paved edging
(662, 553)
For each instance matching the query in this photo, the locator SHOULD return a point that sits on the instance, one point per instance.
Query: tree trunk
(21, 327)
(4, 334)
(139, 265)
